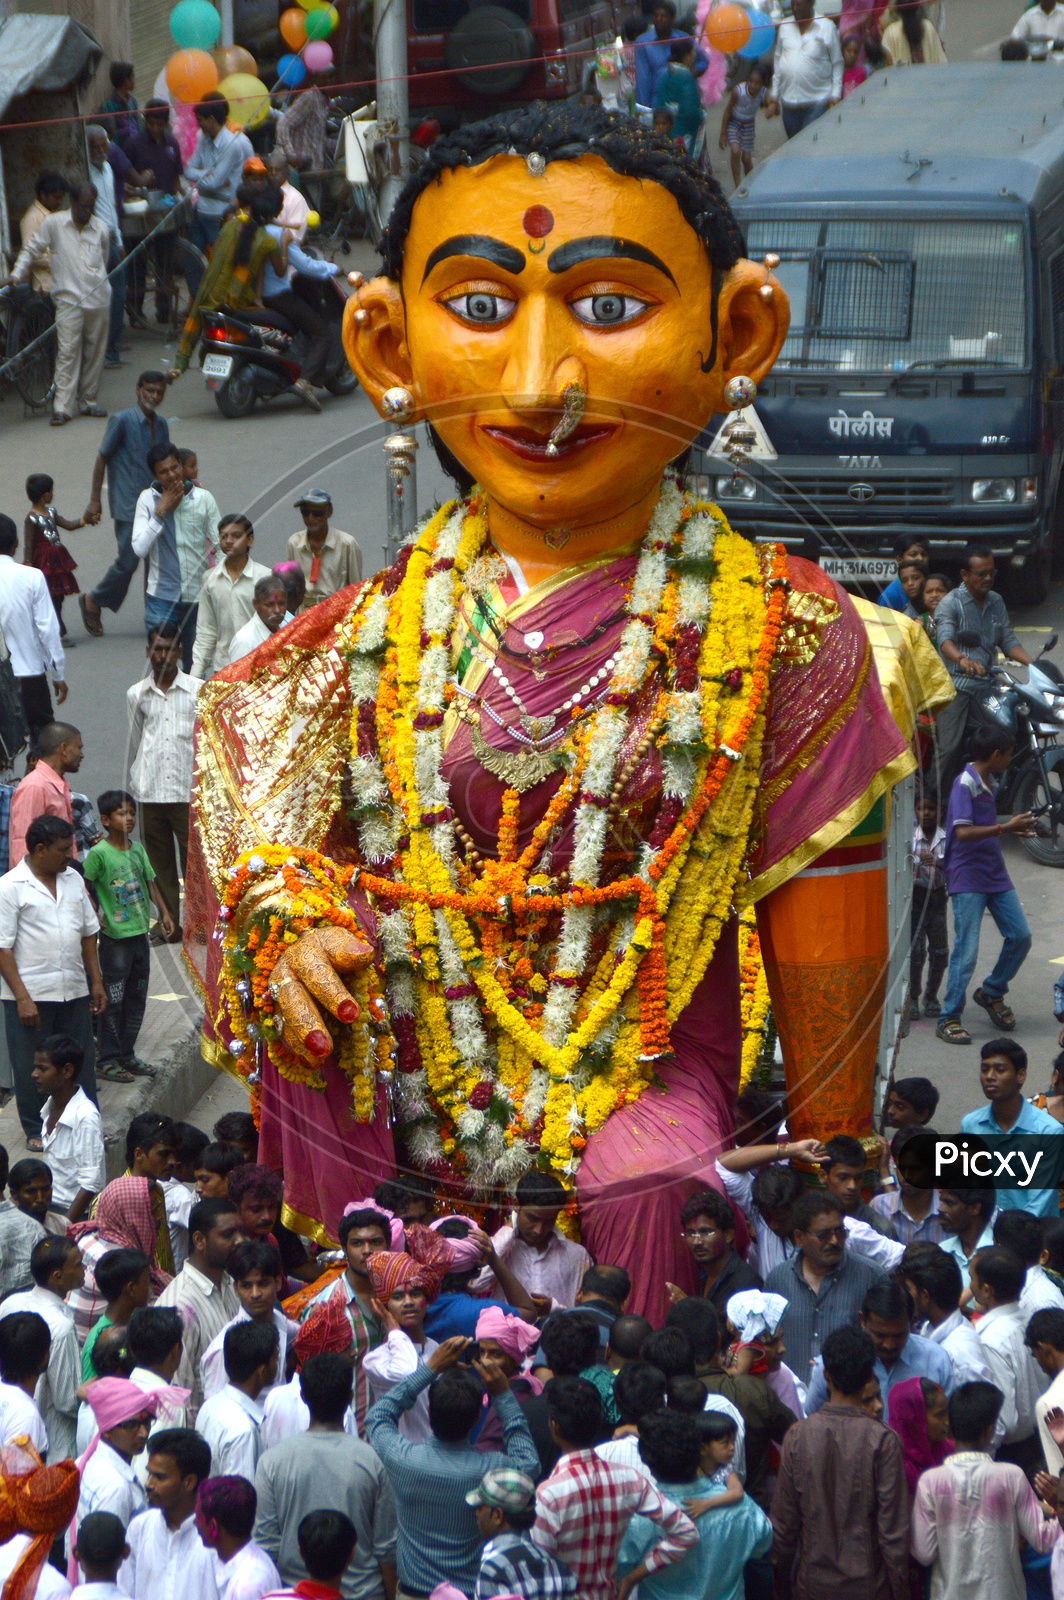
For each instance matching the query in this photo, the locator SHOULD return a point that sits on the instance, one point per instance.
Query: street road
(260, 465)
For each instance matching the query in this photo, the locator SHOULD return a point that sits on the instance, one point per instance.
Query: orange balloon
(727, 28)
(293, 28)
(190, 74)
(229, 58)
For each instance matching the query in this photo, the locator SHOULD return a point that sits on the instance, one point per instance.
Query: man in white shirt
(51, 1585)
(215, 170)
(807, 67)
(108, 1481)
(231, 1420)
(225, 1516)
(76, 244)
(71, 1129)
(100, 1550)
(549, 1266)
(294, 209)
(102, 178)
(258, 1277)
(154, 1336)
(167, 1559)
(31, 632)
(398, 1285)
(1042, 21)
(162, 716)
(203, 1291)
(270, 603)
(57, 1268)
(934, 1281)
(49, 968)
(25, 1345)
(226, 599)
(1021, 1232)
(175, 526)
(997, 1278)
(1044, 1337)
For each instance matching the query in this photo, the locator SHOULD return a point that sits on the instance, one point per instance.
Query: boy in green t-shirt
(123, 885)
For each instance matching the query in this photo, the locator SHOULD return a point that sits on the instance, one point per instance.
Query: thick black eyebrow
(598, 246)
(476, 244)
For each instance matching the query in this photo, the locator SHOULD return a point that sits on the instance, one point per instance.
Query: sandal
(114, 1074)
(35, 1144)
(932, 1007)
(91, 619)
(139, 1068)
(951, 1030)
(996, 1009)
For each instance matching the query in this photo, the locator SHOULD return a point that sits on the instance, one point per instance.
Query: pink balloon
(318, 55)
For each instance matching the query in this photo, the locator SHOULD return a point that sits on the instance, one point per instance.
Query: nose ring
(574, 399)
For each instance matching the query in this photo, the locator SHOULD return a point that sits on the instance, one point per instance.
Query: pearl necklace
(542, 727)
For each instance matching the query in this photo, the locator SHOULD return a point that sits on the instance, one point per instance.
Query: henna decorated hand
(308, 972)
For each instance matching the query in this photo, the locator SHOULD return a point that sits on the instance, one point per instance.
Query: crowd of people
(436, 1409)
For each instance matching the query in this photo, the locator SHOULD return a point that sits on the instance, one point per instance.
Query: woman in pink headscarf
(123, 1220)
(918, 1412)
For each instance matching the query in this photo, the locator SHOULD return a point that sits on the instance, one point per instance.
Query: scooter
(257, 355)
(1033, 713)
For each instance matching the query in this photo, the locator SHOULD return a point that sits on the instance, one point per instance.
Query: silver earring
(398, 405)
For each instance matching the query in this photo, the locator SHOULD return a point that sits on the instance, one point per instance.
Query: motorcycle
(254, 355)
(1033, 713)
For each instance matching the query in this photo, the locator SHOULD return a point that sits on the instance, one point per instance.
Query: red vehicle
(468, 60)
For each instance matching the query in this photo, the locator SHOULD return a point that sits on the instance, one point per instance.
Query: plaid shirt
(512, 1564)
(585, 1506)
(367, 1333)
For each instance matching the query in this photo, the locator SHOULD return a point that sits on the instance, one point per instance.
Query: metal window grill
(889, 294)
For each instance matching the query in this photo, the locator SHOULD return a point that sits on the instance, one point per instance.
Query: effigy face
(521, 281)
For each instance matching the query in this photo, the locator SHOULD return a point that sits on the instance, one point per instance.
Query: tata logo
(861, 491)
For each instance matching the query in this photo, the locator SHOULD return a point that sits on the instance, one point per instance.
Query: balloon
(248, 97)
(313, 219)
(321, 21)
(291, 72)
(308, 5)
(230, 58)
(195, 25)
(190, 74)
(318, 56)
(728, 28)
(293, 28)
(762, 36)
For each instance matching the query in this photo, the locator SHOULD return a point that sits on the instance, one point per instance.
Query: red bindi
(537, 222)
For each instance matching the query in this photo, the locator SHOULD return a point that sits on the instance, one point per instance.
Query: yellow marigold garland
(753, 995)
(489, 1057)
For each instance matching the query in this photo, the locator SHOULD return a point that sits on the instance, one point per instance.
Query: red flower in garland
(480, 1098)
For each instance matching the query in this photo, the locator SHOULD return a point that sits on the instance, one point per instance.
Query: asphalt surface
(259, 465)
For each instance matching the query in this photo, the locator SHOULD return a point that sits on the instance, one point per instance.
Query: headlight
(988, 491)
(736, 489)
(1028, 490)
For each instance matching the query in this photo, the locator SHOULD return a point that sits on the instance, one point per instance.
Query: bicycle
(26, 317)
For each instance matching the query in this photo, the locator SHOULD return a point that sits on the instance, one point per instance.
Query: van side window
(1056, 304)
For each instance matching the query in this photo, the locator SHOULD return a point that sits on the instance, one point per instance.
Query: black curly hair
(565, 133)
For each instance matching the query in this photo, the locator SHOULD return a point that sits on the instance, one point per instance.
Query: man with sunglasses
(823, 1283)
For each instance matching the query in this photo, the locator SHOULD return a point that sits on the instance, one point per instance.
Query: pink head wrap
(397, 1229)
(514, 1336)
(465, 1253)
(115, 1400)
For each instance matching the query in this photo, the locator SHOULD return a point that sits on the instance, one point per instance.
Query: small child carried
(44, 548)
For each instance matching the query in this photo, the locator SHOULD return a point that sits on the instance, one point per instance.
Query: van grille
(892, 496)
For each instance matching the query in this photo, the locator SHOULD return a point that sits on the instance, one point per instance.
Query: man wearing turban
(403, 1286)
(285, 1412)
(507, 1340)
(36, 1503)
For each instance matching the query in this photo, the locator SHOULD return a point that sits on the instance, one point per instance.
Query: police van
(920, 233)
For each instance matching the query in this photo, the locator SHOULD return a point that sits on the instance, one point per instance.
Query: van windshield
(889, 295)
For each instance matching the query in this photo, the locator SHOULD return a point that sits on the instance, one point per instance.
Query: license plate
(859, 569)
(217, 366)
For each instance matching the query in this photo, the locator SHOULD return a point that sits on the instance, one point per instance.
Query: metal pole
(393, 100)
(400, 454)
(225, 8)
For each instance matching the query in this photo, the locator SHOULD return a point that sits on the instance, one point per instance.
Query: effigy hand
(309, 971)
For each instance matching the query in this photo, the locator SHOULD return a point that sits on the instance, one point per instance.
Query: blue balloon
(762, 37)
(195, 25)
(291, 71)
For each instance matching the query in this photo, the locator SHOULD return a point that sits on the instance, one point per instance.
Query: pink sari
(829, 735)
